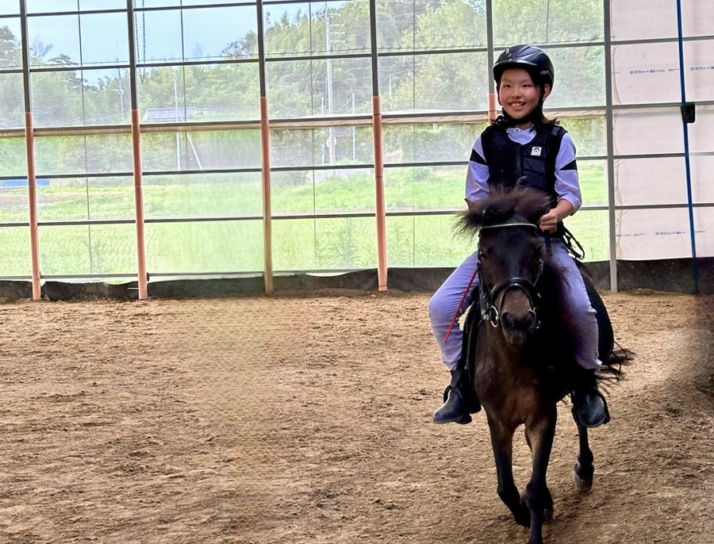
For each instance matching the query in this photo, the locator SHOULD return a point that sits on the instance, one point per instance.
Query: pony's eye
(481, 255)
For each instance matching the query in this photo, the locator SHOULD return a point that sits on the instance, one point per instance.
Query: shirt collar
(517, 130)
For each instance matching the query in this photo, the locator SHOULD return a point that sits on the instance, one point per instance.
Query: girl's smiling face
(518, 95)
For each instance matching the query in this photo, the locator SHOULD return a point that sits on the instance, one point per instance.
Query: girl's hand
(549, 222)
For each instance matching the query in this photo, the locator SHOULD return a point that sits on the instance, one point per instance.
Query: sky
(207, 31)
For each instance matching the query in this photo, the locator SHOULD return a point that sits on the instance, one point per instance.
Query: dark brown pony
(523, 348)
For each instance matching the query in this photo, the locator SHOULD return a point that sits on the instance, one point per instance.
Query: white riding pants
(445, 304)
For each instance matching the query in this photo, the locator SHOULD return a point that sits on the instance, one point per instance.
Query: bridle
(492, 297)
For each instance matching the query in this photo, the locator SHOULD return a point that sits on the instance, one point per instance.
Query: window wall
(662, 181)
(319, 87)
(198, 73)
(78, 80)
(15, 234)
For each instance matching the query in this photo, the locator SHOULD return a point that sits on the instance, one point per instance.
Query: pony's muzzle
(517, 329)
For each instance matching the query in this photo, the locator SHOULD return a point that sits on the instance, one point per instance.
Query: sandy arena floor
(307, 419)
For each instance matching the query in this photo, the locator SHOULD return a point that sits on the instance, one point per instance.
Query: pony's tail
(612, 367)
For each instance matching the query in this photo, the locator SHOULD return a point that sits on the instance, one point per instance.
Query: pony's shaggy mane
(505, 204)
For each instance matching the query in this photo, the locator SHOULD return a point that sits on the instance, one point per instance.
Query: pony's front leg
(540, 436)
(584, 469)
(502, 444)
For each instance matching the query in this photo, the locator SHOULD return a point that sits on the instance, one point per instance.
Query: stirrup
(454, 409)
(578, 405)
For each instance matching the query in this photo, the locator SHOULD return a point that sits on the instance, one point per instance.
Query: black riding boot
(461, 400)
(589, 405)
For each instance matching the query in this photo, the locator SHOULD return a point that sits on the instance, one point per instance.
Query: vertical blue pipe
(686, 150)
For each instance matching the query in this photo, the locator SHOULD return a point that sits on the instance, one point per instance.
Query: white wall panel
(642, 19)
(703, 180)
(647, 182)
(697, 17)
(646, 73)
(701, 132)
(648, 131)
(663, 180)
(647, 19)
(699, 63)
(663, 234)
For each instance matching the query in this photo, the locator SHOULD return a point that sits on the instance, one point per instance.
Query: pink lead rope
(456, 314)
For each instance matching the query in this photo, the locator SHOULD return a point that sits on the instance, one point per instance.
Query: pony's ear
(471, 204)
(533, 204)
(472, 218)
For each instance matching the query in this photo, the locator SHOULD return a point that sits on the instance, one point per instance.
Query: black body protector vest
(530, 165)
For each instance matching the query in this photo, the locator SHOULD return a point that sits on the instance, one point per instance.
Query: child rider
(506, 152)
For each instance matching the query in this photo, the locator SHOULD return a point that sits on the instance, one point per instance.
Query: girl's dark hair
(547, 122)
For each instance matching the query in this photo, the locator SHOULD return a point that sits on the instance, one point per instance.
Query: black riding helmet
(534, 60)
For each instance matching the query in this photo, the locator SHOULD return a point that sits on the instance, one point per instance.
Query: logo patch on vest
(536, 151)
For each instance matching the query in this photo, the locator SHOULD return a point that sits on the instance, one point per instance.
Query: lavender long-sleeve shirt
(567, 183)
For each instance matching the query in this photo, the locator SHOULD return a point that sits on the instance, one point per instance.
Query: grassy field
(235, 246)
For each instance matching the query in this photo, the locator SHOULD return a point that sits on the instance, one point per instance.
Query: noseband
(492, 298)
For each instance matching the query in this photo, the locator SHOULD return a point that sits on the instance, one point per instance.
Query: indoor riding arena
(221, 225)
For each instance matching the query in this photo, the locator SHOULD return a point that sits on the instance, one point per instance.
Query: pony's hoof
(581, 484)
(522, 515)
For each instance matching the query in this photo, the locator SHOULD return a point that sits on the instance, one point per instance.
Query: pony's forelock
(504, 204)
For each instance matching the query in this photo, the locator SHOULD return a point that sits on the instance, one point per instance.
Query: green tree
(10, 53)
